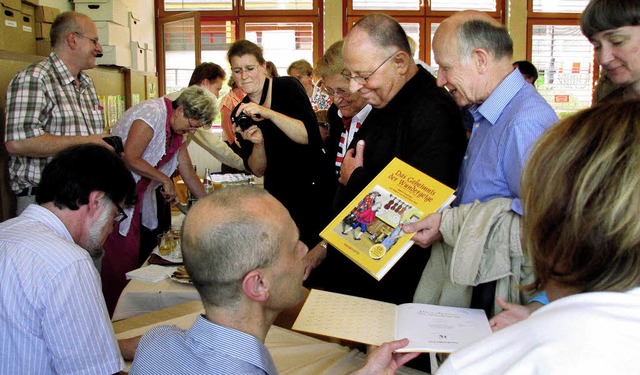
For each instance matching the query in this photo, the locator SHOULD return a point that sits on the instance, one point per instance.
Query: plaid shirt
(43, 98)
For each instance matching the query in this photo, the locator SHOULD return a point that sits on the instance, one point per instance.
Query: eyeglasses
(337, 92)
(95, 41)
(362, 80)
(121, 216)
(191, 127)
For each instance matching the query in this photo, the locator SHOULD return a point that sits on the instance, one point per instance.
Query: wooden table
(293, 353)
(140, 297)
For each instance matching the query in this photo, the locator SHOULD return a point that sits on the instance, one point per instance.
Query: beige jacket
(481, 243)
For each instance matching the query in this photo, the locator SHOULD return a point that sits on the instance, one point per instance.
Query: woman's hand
(253, 134)
(168, 191)
(254, 110)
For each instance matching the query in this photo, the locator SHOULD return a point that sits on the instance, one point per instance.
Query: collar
(233, 343)
(64, 74)
(360, 116)
(492, 108)
(44, 216)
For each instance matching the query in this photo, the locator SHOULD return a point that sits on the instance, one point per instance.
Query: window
(179, 57)
(563, 56)
(282, 42)
(559, 6)
(419, 18)
(195, 31)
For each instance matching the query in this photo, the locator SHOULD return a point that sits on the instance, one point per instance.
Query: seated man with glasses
(53, 317)
(412, 119)
(53, 104)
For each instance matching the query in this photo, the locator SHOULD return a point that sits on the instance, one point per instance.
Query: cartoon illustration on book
(380, 216)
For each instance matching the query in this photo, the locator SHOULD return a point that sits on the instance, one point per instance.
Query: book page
(439, 328)
(347, 317)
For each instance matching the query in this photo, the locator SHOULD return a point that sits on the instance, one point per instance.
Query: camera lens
(244, 121)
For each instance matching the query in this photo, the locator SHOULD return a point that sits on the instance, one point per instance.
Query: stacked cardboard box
(44, 17)
(13, 37)
(111, 18)
(142, 58)
(27, 29)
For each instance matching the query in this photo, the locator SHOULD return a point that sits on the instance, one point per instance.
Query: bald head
(470, 30)
(66, 23)
(383, 31)
(377, 54)
(227, 234)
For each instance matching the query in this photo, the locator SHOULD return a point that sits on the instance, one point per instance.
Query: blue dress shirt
(205, 348)
(505, 128)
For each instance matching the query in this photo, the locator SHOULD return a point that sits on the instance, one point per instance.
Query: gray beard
(95, 233)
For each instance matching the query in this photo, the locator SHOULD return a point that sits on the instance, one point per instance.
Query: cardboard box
(150, 60)
(10, 29)
(111, 33)
(43, 47)
(46, 14)
(115, 55)
(28, 9)
(31, 2)
(135, 28)
(27, 29)
(12, 4)
(137, 56)
(43, 30)
(104, 10)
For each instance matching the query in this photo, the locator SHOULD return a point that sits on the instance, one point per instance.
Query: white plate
(181, 281)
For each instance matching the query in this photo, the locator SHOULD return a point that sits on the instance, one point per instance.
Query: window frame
(554, 18)
(425, 17)
(238, 15)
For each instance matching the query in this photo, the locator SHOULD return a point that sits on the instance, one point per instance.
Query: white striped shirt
(53, 317)
(347, 134)
(206, 348)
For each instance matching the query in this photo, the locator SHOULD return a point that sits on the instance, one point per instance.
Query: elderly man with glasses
(53, 104)
(412, 119)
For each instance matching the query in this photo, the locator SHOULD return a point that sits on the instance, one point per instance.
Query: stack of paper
(151, 273)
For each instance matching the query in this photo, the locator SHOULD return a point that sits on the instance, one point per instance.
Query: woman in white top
(153, 135)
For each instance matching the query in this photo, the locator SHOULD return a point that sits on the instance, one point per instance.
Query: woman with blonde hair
(153, 134)
(580, 229)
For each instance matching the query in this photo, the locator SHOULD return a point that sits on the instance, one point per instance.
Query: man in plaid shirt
(53, 104)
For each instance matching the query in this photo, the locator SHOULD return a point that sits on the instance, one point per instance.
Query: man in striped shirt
(53, 318)
(53, 104)
(244, 255)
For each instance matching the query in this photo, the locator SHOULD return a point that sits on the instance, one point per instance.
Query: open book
(429, 328)
(369, 230)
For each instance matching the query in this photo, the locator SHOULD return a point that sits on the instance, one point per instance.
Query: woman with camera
(280, 139)
(153, 133)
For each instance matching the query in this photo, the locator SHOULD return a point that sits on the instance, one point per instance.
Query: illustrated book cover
(429, 328)
(369, 230)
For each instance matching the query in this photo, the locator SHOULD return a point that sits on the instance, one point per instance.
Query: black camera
(115, 142)
(242, 120)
